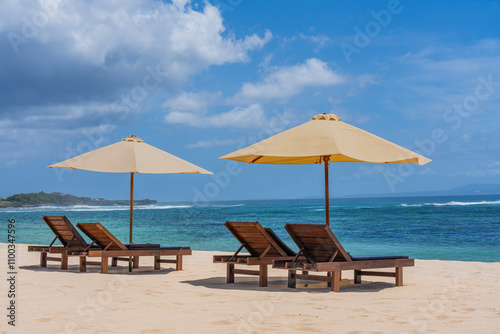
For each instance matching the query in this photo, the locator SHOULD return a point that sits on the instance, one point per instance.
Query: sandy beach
(438, 296)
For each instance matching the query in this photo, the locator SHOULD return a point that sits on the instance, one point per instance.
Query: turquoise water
(446, 228)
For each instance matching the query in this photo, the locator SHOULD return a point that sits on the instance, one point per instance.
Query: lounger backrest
(101, 236)
(317, 242)
(288, 251)
(65, 231)
(256, 239)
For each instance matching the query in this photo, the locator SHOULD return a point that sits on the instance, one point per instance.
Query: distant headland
(60, 199)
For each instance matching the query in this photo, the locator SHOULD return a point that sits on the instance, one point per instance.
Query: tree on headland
(57, 198)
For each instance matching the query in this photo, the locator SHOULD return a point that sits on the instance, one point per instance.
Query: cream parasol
(325, 139)
(131, 155)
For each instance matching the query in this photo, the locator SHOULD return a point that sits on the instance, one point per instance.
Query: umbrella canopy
(325, 139)
(131, 155)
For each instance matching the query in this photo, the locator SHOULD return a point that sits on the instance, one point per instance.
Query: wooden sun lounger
(67, 235)
(263, 246)
(110, 247)
(324, 253)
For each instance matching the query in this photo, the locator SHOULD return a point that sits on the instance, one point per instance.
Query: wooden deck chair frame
(110, 247)
(322, 252)
(263, 246)
(67, 235)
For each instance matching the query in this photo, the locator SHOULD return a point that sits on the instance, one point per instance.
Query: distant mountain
(467, 190)
(56, 198)
(477, 189)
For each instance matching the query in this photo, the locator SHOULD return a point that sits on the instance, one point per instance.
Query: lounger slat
(316, 240)
(248, 230)
(58, 223)
(309, 244)
(66, 233)
(259, 245)
(249, 239)
(323, 253)
(243, 224)
(312, 234)
(310, 227)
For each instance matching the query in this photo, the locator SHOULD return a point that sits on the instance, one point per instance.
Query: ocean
(462, 228)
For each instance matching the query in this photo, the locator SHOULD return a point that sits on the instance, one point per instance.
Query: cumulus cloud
(194, 102)
(66, 64)
(319, 40)
(458, 66)
(96, 49)
(280, 83)
(252, 116)
(285, 82)
(213, 143)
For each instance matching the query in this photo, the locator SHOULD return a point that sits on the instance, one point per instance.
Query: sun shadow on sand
(112, 270)
(281, 285)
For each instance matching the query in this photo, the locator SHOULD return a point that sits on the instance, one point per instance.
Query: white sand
(438, 296)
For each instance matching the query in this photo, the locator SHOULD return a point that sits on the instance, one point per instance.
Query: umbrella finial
(133, 138)
(326, 117)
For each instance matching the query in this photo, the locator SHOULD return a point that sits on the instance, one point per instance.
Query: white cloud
(252, 116)
(194, 102)
(366, 79)
(95, 30)
(100, 49)
(456, 62)
(285, 82)
(100, 60)
(481, 173)
(320, 40)
(213, 143)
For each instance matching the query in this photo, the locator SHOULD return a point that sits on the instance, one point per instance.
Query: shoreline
(243, 252)
(442, 296)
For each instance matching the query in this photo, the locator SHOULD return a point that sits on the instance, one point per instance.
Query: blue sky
(202, 79)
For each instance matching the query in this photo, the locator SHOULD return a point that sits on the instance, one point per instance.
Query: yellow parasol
(325, 139)
(131, 155)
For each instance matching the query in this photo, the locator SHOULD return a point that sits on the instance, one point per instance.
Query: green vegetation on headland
(56, 198)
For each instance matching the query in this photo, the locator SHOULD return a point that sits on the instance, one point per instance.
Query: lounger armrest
(140, 246)
(176, 248)
(231, 259)
(378, 257)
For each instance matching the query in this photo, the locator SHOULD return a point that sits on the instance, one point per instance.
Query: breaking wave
(452, 203)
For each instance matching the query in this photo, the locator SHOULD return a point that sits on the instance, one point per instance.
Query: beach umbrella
(325, 139)
(131, 155)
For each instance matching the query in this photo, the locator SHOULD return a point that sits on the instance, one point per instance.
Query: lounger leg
(263, 275)
(104, 265)
(399, 276)
(292, 281)
(335, 281)
(357, 277)
(83, 264)
(136, 262)
(64, 261)
(230, 273)
(114, 262)
(329, 283)
(157, 263)
(178, 263)
(43, 260)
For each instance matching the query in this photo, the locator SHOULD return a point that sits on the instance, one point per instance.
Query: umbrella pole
(327, 195)
(131, 217)
(131, 205)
